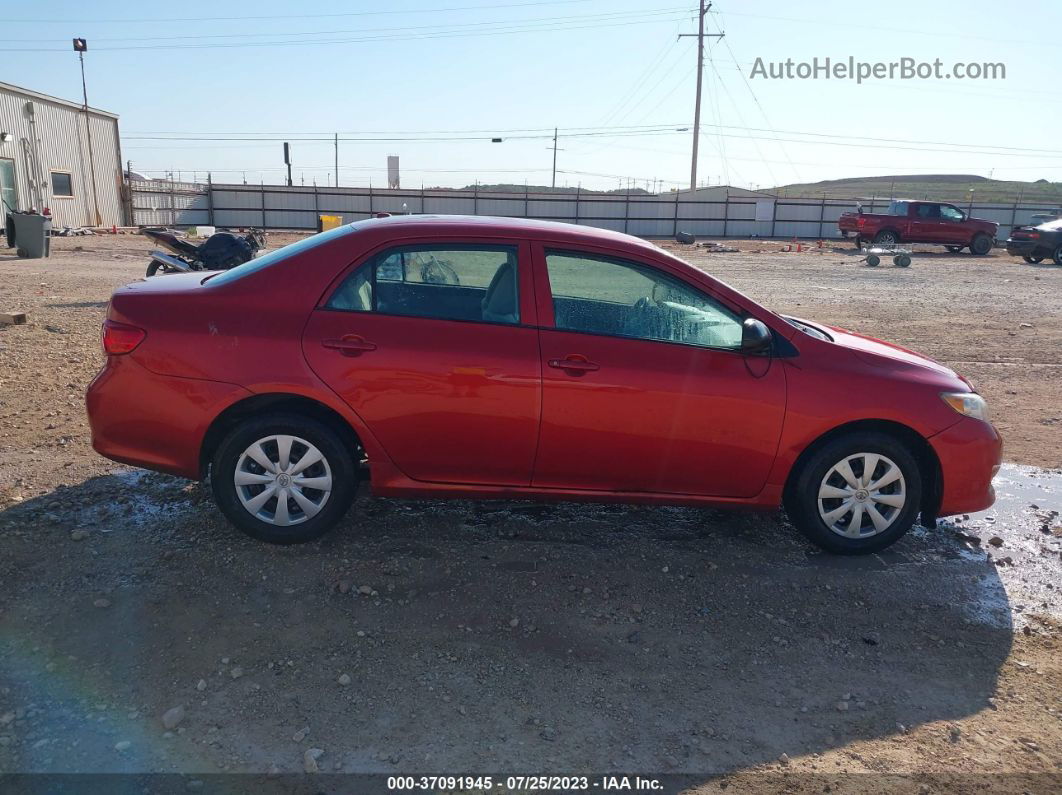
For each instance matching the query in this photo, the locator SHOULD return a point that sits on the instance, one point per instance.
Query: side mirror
(755, 337)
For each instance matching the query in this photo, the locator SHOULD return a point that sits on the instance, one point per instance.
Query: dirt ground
(521, 638)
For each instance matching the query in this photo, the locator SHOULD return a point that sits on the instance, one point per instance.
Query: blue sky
(517, 68)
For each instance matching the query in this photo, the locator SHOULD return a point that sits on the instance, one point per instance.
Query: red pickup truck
(920, 222)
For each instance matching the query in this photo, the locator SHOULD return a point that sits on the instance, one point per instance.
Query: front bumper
(970, 452)
(153, 421)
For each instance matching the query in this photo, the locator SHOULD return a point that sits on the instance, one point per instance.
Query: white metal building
(55, 154)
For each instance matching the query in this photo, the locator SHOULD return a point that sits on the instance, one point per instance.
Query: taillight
(861, 222)
(119, 338)
(1033, 235)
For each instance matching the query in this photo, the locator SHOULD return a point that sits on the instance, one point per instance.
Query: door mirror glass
(755, 337)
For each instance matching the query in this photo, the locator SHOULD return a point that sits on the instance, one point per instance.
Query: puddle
(1017, 536)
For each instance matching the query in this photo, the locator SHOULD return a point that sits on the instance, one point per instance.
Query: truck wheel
(886, 237)
(954, 249)
(856, 494)
(981, 244)
(283, 478)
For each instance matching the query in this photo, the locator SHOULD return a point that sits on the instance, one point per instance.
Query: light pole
(80, 47)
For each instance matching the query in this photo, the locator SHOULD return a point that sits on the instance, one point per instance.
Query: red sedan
(497, 358)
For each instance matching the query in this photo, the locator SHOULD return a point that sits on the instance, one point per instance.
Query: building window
(62, 183)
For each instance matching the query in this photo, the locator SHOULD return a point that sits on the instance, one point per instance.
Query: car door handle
(350, 345)
(573, 364)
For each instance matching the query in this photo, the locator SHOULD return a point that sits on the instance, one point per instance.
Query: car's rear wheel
(1033, 260)
(954, 249)
(856, 494)
(283, 478)
(887, 237)
(981, 244)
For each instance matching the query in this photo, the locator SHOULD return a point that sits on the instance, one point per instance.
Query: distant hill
(508, 188)
(941, 187)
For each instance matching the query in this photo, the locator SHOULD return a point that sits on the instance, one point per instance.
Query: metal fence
(707, 214)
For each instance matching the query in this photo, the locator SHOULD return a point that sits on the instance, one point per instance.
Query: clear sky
(611, 74)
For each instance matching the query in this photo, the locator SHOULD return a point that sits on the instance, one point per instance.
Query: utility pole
(337, 159)
(287, 160)
(700, 34)
(80, 45)
(553, 185)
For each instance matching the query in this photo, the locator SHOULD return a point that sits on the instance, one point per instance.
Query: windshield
(278, 255)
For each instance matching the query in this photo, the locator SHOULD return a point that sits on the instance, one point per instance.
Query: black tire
(153, 267)
(802, 502)
(887, 237)
(954, 249)
(1033, 260)
(22, 253)
(1057, 256)
(981, 244)
(902, 261)
(873, 260)
(340, 463)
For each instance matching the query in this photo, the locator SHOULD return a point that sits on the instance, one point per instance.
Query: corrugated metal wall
(708, 213)
(56, 136)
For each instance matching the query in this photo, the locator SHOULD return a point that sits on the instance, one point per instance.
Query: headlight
(969, 404)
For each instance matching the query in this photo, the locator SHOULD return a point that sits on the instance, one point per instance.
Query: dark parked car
(1037, 243)
(500, 358)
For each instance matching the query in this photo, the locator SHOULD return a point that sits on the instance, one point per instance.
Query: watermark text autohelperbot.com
(859, 71)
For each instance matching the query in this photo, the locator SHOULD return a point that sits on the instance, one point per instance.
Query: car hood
(887, 356)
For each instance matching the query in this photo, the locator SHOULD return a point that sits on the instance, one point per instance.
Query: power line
(457, 26)
(512, 29)
(113, 21)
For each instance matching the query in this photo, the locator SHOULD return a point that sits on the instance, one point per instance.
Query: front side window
(603, 296)
(62, 184)
(478, 283)
(949, 213)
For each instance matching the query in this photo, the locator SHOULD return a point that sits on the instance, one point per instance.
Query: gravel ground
(524, 638)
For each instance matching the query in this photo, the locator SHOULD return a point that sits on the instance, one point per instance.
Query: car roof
(519, 227)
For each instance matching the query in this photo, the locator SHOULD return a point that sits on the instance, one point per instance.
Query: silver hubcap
(862, 495)
(283, 480)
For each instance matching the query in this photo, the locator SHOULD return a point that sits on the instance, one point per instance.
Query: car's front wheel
(856, 494)
(283, 478)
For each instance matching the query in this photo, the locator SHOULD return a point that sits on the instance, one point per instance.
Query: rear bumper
(1023, 248)
(153, 421)
(970, 452)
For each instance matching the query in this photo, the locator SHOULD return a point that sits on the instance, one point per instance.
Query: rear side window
(459, 282)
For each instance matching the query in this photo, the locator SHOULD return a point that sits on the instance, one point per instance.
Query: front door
(643, 387)
(434, 347)
(8, 194)
(951, 225)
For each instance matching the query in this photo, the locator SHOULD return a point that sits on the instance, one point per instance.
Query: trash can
(32, 234)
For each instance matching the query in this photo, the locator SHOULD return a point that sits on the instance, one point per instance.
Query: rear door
(643, 388)
(434, 345)
(925, 223)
